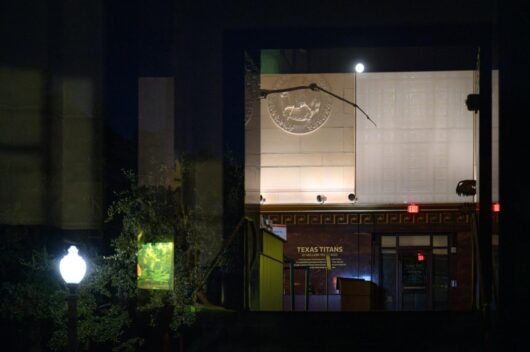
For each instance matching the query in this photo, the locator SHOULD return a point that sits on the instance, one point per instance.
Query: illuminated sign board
(155, 266)
(321, 251)
(413, 209)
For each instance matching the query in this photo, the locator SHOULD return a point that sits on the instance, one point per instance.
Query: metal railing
(248, 259)
(307, 284)
(292, 296)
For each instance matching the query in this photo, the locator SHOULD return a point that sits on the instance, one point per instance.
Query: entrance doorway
(415, 284)
(415, 272)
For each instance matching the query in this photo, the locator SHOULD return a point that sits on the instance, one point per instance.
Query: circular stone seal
(301, 111)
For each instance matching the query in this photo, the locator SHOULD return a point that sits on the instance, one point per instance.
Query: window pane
(414, 300)
(440, 285)
(388, 241)
(414, 241)
(439, 241)
(389, 280)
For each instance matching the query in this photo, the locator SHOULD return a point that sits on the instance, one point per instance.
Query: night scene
(191, 176)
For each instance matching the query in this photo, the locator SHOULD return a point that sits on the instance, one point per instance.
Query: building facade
(88, 89)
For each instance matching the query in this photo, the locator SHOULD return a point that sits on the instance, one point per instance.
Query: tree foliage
(113, 313)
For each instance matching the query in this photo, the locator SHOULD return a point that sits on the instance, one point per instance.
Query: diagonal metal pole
(315, 87)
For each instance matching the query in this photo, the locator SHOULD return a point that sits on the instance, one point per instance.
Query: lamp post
(359, 68)
(73, 269)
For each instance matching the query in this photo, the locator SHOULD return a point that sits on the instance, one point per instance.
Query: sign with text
(155, 266)
(336, 252)
(315, 256)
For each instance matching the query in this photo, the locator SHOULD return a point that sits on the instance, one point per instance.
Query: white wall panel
(423, 139)
(323, 140)
(422, 145)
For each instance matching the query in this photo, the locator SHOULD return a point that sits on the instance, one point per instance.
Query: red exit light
(413, 209)
(496, 207)
(421, 257)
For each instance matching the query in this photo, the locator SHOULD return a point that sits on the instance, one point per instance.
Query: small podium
(356, 295)
(267, 293)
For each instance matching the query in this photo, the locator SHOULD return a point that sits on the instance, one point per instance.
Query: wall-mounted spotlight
(321, 199)
(466, 188)
(352, 197)
(262, 199)
(473, 102)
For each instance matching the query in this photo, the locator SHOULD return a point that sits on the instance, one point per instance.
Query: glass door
(414, 268)
(415, 271)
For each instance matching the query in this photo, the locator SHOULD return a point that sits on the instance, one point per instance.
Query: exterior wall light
(321, 199)
(466, 188)
(359, 68)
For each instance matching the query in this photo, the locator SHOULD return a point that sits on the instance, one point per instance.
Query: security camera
(352, 197)
(321, 199)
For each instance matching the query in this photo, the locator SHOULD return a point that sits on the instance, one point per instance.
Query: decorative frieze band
(380, 218)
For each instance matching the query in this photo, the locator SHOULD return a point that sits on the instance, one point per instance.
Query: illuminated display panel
(155, 266)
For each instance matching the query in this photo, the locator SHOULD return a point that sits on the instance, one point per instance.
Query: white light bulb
(72, 266)
(359, 68)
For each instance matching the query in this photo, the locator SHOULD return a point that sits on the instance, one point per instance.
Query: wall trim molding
(435, 215)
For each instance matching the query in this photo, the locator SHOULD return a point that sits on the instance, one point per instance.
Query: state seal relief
(301, 111)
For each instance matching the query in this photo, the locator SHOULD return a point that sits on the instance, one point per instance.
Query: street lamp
(359, 68)
(73, 269)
